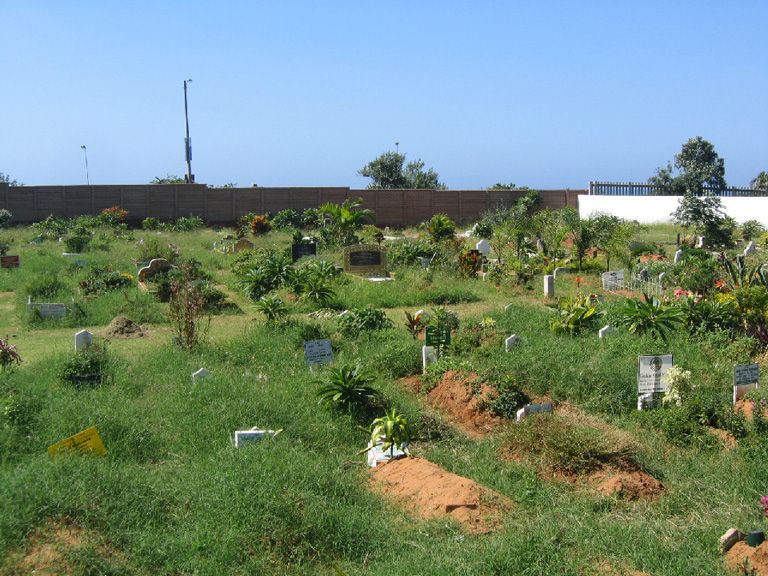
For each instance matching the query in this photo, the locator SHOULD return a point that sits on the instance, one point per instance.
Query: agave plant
(316, 289)
(273, 308)
(574, 316)
(347, 387)
(392, 430)
(739, 275)
(650, 316)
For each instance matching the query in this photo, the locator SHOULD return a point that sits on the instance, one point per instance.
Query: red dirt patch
(743, 559)
(747, 407)
(412, 383)
(726, 438)
(460, 397)
(652, 258)
(430, 492)
(628, 485)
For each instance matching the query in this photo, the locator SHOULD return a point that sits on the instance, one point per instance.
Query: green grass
(173, 495)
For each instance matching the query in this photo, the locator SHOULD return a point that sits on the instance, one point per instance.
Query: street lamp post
(187, 142)
(85, 152)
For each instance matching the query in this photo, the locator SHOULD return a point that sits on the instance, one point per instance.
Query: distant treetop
(389, 171)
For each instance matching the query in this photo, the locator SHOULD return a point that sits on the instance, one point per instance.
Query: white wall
(650, 209)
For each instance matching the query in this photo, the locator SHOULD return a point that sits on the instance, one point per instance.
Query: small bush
(188, 224)
(286, 219)
(151, 224)
(356, 320)
(45, 286)
(151, 248)
(87, 368)
(507, 399)
(78, 241)
(101, 280)
(260, 225)
(8, 355)
(5, 218)
(113, 216)
(440, 227)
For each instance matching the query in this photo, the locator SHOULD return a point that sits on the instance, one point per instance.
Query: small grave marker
(318, 352)
(83, 339)
(662, 277)
(700, 242)
(543, 408)
(745, 378)
(560, 270)
(428, 356)
(200, 375)
(155, 265)
(678, 256)
(86, 441)
(242, 245)
(253, 435)
(750, 249)
(613, 280)
(9, 261)
(606, 330)
(437, 337)
(368, 259)
(47, 310)
(377, 455)
(510, 342)
(650, 374)
(484, 247)
(549, 286)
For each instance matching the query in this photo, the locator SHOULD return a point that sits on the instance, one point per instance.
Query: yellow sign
(86, 441)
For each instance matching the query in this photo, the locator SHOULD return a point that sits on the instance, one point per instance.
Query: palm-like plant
(440, 226)
(346, 217)
(574, 316)
(413, 322)
(316, 289)
(650, 316)
(392, 430)
(739, 275)
(273, 308)
(347, 388)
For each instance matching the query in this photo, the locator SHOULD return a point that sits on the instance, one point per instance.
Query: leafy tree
(699, 166)
(612, 234)
(6, 179)
(169, 179)
(704, 214)
(550, 226)
(505, 186)
(760, 182)
(389, 171)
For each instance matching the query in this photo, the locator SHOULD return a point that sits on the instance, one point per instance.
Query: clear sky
(544, 94)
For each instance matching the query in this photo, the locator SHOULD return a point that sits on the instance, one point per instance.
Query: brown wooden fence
(225, 205)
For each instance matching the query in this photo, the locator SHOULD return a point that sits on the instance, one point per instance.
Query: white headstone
(428, 356)
(662, 276)
(318, 352)
(560, 270)
(253, 435)
(750, 249)
(522, 413)
(650, 373)
(508, 306)
(510, 342)
(200, 374)
(484, 247)
(606, 330)
(549, 286)
(678, 255)
(700, 242)
(83, 339)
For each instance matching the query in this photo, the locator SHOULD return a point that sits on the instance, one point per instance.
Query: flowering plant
(764, 504)
(8, 354)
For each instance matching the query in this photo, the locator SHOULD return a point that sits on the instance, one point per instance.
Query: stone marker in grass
(200, 374)
(83, 339)
(510, 342)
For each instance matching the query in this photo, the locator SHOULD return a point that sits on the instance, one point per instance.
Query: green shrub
(440, 227)
(87, 368)
(151, 224)
(5, 218)
(408, 252)
(507, 399)
(286, 219)
(188, 224)
(354, 321)
(575, 315)
(273, 308)
(151, 248)
(78, 242)
(100, 279)
(347, 387)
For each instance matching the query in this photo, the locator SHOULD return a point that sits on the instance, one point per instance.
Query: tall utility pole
(87, 177)
(190, 178)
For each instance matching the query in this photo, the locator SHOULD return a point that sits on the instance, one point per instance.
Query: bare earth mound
(629, 485)
(743, 559)
(460, 397)
(432, 492)
(122, 327)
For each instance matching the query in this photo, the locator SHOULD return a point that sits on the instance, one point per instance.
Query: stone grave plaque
(253, 436)
(428, 356)
(318, 352)
(613, 280)
(155, 265)
(510, 342)
(242, 245)
(200, 374)
(47, 310)
(549, 286)
(484, 247)
(83, 339)
(86, 441)
(9, 261)
(365, 259)
(650, 371)
(745, 378)
(303, 249)
(606, 330)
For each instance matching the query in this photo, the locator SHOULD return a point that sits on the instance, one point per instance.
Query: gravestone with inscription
(650, 376)
(606, 330)
(318, 352)
(253, 436)
(47, 310)
(428, 356)
(511, 342)
(9, 261)
(242, 245)
(366, 259)
(745, 378)
(83, 339)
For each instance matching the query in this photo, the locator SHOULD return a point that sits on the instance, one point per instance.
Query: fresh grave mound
(123, 327)
(581, 449)
(743, 559)
(747, 407)
(432, 492)
(60, 547)
(462, 398)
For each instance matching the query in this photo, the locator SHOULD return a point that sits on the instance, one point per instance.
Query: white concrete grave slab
(549, 286)
(200, 375)
(428, 357)
(560, 270)
(750, 249)
(83, 339)
(678, 256)
(377, 455)
(528, 409)
(484, 247)
(511, 342)
(605, 331)
(253, 436)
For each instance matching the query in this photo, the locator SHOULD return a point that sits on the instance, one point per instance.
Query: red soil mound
(743, 559)
(628, 485)
(430, 492)
(461, 397)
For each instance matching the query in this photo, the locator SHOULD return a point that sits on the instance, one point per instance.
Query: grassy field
(173, 496)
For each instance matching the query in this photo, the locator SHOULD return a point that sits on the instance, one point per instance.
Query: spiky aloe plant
(650, 315)
(392, 430)
(347, 387)
(273, 308)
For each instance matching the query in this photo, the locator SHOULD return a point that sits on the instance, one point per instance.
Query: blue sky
(543, 94)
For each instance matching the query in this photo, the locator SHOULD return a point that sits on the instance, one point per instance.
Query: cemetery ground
(551, 494)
